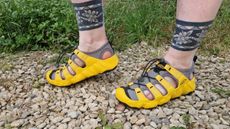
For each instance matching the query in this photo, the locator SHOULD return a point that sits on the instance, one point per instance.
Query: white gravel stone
(133, 119)
(135, 127)
(140, 121)
(2, 123)
(167, 111)
(153, 124)
(66, 120)
(72, 124)
(62, 126)
(73, 114)
(199, 94)
(127, 125)
(28, 101)
(161, 113)
(42, 125)
(56, 119)
(147, 127)
(17, 123)
(112, 110)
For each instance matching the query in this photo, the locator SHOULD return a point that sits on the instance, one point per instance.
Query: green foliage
(51, 24)
(8, 126)
(186, 119)
(186, 122)
(222, 92)
(131, 21)
(177, 127)
(34, 24)
(105, 123)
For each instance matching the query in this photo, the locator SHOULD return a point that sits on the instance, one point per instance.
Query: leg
(193, 19)
(91, 39)
(192, 11)
(93, 53)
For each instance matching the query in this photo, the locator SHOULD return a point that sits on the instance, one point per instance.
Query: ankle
(91, 46)
(177, 63)
(180, 59)
(92, 40)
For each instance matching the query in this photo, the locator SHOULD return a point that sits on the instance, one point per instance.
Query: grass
(45, 25)
(34, 25)
(186, 121)
(106, 125)
(222, 92)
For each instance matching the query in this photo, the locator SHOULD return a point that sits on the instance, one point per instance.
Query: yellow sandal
(184, 86)
(93, 66)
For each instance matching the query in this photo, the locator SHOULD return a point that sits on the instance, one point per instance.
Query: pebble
(145, 112)
(66, 120)
(2, 123)
(62, 126)
(153, 124)
(161, 113)
(228, 104)
(140, 121)
(83, 108)
(164, 127)
(112, 110)
(199, 94)
(135, 127)
(224, 121)
(167, 111)
(147, 127)
(120, 107)
(72, 124)
(28, 101)
(42, 125)
(56, 119)
(17, 123)
(214, 126)
(73, 114)
(133, 119)
(127, 125)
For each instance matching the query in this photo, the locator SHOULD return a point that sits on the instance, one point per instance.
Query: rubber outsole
(127, 106)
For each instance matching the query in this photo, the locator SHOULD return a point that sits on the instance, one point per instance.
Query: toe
(148, 95)
(171, 81)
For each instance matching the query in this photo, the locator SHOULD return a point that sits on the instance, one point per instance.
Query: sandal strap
(180, 77)
(168, 86)
(74, 66)
(82, 56)
(66, 73)
(140, 94)
(77, 69)
(155, 92)
(58, 75)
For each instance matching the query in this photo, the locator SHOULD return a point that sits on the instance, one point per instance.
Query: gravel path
(27, 101)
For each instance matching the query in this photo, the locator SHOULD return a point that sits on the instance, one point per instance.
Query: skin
(193, 11)
(90, 41)
(187, 10)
